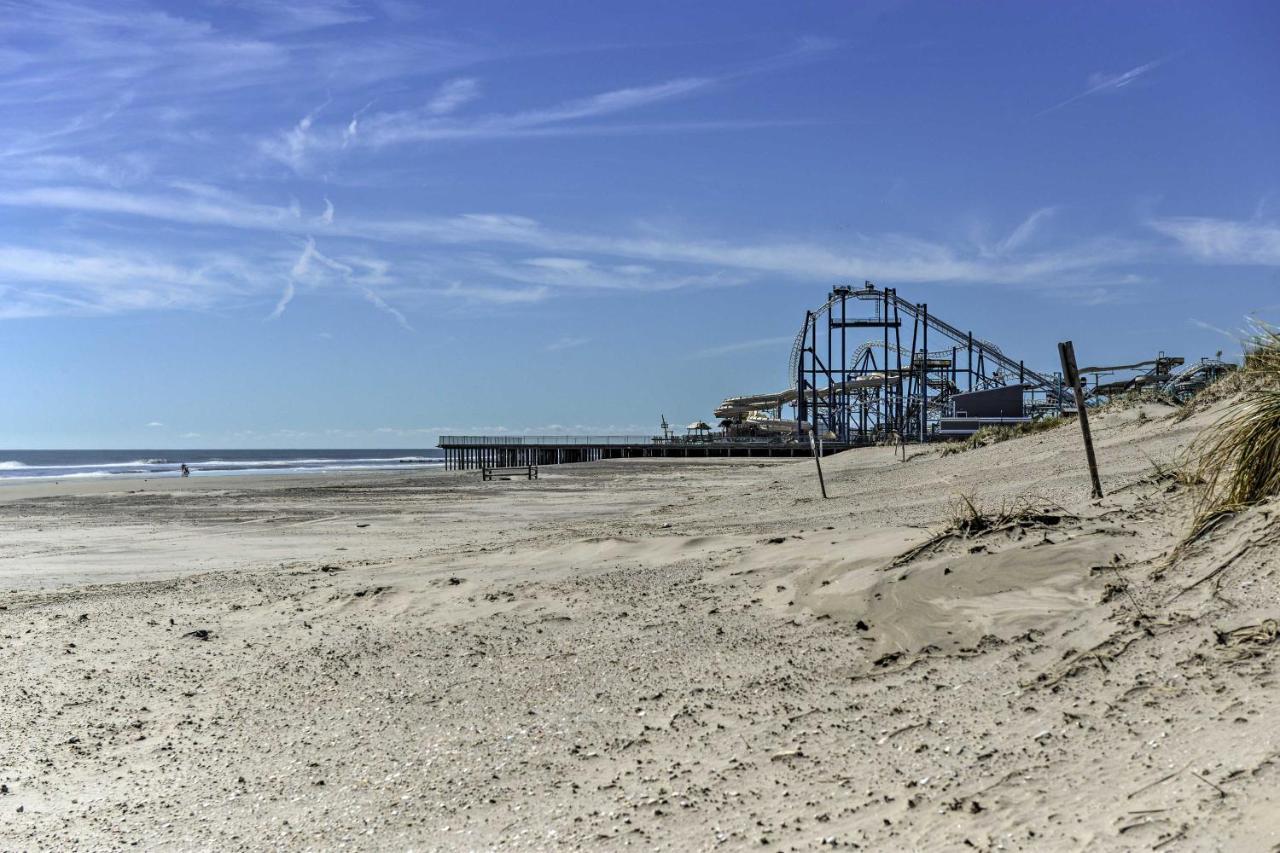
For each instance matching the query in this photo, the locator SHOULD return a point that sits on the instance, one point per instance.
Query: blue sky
(236, 223)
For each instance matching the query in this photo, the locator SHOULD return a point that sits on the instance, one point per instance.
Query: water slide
(772, 402)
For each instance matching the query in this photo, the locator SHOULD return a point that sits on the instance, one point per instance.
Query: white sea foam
(13, 465)
(14, 470)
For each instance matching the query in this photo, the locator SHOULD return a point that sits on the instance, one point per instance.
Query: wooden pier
(466, 452)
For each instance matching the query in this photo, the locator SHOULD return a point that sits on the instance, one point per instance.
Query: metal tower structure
(894, 384)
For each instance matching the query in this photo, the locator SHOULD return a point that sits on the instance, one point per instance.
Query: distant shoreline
(60, 465)
(23, 488)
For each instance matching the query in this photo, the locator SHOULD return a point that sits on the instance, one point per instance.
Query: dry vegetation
(1235, 463)
(970, 518)
(1238, 458)
(1137, 397)
(994, 435)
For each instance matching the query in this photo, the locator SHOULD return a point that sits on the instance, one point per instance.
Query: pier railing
(546, 440)
(462, 452)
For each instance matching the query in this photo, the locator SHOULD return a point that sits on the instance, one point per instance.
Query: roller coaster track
(988, 350)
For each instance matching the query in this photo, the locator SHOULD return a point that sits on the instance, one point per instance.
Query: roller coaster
(894, 386)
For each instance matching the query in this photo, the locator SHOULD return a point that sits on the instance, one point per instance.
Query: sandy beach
(646, 654)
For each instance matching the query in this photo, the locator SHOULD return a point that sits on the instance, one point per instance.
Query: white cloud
(191, 209)
(566, 343)
(311, 144)
(282, 16)
(411, 126)
(652, 260)
(504, 429)
(353, 126)
(361, 274)
(40, 282)
(582, 274)
(573, 116)
(744, 346)
(453, 94)
(293, 147)
(1224, 241)
(495, 295)
(1100, 83)
(1026, 230)
(285, 298)
(1237, 337)
(155, 424)
(300, 268)
(303, 263)
(114, 171)
(560, 264)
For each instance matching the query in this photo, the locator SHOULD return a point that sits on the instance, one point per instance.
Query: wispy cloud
(453, 94)
(1236, 337)
(300, 268)
(47, 281)
(507, 429)
(410, 126)
(653, 260)
(360, 273)
(564, 273)
(353, 126)
(1223, 241)
(115, 171)
(743, 346)
(285, 298)
(307, 147)
(574, 116)
(98, 83)
(120, 76)
(567, 342)
(494, 295)
(191, 208)
(1101, 84)
(292, 148)
(289, 16)
(1025, 231)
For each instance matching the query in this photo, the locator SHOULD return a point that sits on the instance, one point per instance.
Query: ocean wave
(162, 468)
(15, 465)
(262, 463)
(77, 475)
(288, 466)
(125, 472)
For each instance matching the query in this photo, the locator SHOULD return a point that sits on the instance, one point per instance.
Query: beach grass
(996, 434)
(1238, 457)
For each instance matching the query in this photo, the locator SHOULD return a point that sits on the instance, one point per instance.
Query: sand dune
(646, 655)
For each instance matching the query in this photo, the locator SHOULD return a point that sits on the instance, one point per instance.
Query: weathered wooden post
(822, 484)
(1067, 352)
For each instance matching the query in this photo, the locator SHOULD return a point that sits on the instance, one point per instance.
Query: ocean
(80, 464)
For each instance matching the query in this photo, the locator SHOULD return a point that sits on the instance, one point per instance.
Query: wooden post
(817, 461)
(1072, 375)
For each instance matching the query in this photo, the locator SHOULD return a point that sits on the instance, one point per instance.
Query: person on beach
(186, 472)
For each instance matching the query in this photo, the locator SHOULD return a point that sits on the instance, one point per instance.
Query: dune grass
(969, 517)
(1137, 397)
(996, 434)
(1238, 457)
